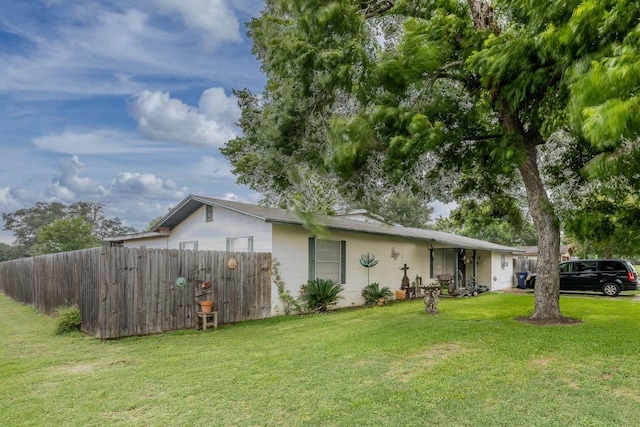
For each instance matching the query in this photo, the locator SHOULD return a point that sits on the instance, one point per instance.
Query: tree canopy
(491, 221)
(26, 223)
(66, 234)
(442, 97)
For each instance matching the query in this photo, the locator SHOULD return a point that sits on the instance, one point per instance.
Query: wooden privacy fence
(133, 291)
(525, 264)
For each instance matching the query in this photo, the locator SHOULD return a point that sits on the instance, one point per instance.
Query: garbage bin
(521, 276)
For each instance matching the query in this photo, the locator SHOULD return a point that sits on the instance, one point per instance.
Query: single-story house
(202, 223)
(526, 259)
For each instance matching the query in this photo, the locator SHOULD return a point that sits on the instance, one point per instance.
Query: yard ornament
(368, 261)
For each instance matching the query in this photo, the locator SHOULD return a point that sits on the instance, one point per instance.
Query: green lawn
(471, 365)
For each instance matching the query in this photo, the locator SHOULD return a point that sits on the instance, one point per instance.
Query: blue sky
(124, 103)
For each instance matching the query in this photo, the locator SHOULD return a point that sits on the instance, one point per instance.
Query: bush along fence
(136, 291)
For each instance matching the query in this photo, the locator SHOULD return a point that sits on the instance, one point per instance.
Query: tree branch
(484, 137)
(371, 8)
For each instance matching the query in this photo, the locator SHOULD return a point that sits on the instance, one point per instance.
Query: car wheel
(610, 289)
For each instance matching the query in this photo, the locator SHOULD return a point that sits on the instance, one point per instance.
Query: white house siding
(161, 242)
(502, 273)
(226, 224)
(484, 276)
(291, 248)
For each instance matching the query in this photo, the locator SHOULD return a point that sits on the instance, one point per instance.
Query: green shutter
(312, 258)
(431, 256)
(343, 262)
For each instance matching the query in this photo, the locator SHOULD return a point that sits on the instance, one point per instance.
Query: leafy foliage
(68, 319)
(373, 292)
(290, 305)
(27, 223)
(65, 235)
(461, 94)
(497, 221)
(319, 294)
(8, 252)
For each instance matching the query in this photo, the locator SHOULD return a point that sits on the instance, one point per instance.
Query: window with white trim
(190, 245)
(208, 217)
(240, 244)
(327, 259)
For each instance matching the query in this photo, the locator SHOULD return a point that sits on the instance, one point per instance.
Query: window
(191, 245)
(443, 261)
(327, 259)
(240, 244)
(584, 266)
(612, 266)
(208, 213)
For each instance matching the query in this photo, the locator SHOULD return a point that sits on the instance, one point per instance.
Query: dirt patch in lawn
(563, 321)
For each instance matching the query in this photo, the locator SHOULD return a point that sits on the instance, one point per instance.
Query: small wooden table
(203, 320)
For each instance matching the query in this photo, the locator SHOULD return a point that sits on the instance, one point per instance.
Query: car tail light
(631, 276)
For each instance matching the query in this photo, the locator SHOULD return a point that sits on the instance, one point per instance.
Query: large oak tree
(454, 96)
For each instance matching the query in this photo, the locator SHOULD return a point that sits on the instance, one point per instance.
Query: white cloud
(97, 142)
(210, 166)
(146, 185)
(58, 192)
(8, 202)
(73, 182)
(232, 197)
(90, 48)
(168, 119)
(216, 105)
(213, 18)
(441, 209)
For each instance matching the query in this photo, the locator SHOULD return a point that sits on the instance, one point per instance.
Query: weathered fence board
(132, 291)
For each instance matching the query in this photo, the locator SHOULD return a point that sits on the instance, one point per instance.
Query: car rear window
(612, 266)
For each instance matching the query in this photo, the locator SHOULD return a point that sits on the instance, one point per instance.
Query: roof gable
(341, 222)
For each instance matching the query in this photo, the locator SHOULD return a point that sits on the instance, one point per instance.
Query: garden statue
(431, 300)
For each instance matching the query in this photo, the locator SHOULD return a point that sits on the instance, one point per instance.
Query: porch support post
(455, 268)
(475, 265)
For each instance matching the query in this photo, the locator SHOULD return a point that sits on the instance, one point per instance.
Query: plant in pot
(206, 306)
(374, 294)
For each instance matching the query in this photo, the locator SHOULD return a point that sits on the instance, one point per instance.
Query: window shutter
(431, 256)
(343, 262)
(312, 258)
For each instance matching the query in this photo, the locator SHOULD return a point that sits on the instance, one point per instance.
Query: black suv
(609, 276)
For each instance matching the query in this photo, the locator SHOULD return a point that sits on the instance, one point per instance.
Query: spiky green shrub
(373, 292)
(68, 319)
(319, 294)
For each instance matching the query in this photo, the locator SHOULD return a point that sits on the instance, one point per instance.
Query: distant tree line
(56, 227)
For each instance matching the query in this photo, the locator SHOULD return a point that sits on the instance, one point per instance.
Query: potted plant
(206, 306)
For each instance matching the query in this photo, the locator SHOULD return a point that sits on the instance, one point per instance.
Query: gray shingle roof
(282, 216)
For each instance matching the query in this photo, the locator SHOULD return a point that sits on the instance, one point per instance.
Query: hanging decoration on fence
(232, 264)
(181, 281)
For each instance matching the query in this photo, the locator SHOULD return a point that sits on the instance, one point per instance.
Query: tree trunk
(546, 294)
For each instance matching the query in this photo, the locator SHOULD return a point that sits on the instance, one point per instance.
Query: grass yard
(471, 365)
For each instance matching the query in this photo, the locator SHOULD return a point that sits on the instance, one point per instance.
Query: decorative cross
(405, 268)
(405, 279)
